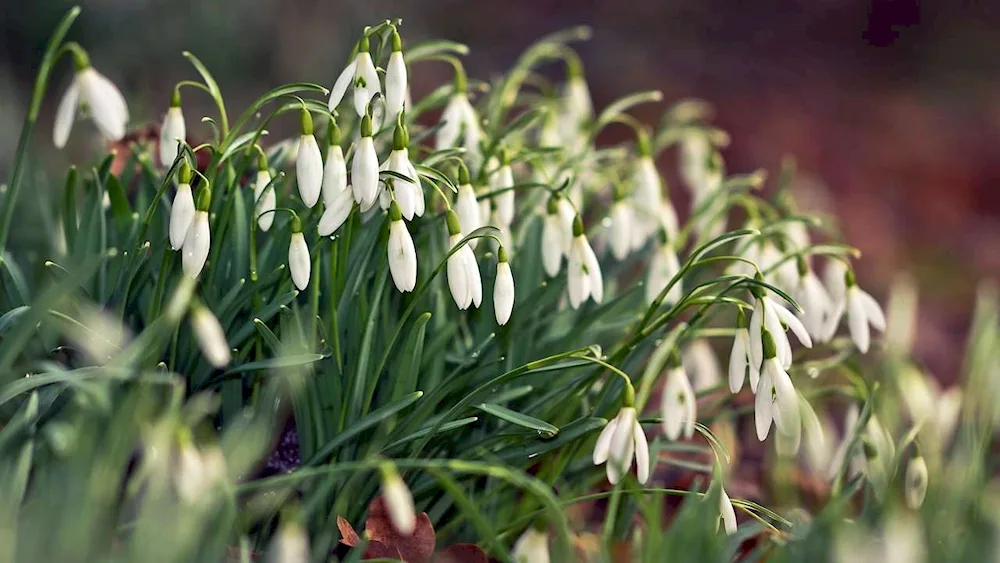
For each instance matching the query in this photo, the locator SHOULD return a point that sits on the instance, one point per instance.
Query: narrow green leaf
(364, 423)
(545, 429)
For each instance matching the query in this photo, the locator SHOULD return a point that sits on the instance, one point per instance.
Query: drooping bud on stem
(454, 226)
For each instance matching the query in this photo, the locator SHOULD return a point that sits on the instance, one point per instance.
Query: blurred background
(890, 107)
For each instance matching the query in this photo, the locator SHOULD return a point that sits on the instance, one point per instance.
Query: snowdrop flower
(739, 357)
(813, 298)
(172, 131)
(695, 153)
(620, 441)
(531, 547)
(776, 398)
(198, 240)
(395, 79)
(503, 179)
(862, 310)
(299, 263)
(308, 163)
(934, 410)
(468, 209)
(556, 233)
(291, 544)
(197, 472)
(182, 209)
(364, 167)
(769, 315)
(901, 315)
(362, 75)
(264, 197)
(840, 454)
(584, 273)
(398, 500)
(503, 289)
(680, 409)
(409, 195)
(334, 169)
(460, 123)
(402, 254)
(622, 223)
(700, 362)
(916, 482)
(727, 512)
(577, 109)
(810, 431)
(833, 278)
(210, 336)
(647, 198)
(662, 269)
(93, 91)
(464, 279)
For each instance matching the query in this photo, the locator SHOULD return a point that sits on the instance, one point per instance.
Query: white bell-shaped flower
(334, 169)
(408, 194)
(398, 501)
(360, 74)
(102, 99)
(776, 400)
(770, 315)
(620, 234)
(679, 405)
(701, 364)
(198, 240)
(862, 310)
(739, 358)
(265, 199)
(308, 163)
(182, 209)
(583, 272)
(402, 254)
(531, 547)
(461, 124)
(915, 485)
(555, 236)
(290, 544)
(466, 205)
(210, 336)
(173, 130)
(464, 279)
(503, 179)
(395, 79)
(662, 269)
(364, 168)
(577, 110)
(503, 289)
(299, 263)
(622, 440)
(833, 278)
(813, 298)
(727, 513)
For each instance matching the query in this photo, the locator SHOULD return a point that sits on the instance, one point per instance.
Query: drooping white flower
(915, 487)
(210, 336)
(695, 150)
(584, 272)
(334, 169)
(398, 501)
(291, 544)
(770, 315)
(776, 399)
(622, 222)
(299, 263)
(739, 358)
(503, 179)
(402, 254)
(622, 440)
(461, 124)
(172, 131)
(811, 434)
(503, 289)
(679, 405)
(409, 194)
(336, 212)
(468, 209)
(662, 269)
(727, 513)
(197, 473)
(182, 209)
(361, 74)
(308, 164)
(265, 200)
(935, 411)
(531, 547)
(840, 454)
(862, 311)
(647, 198)
(364, 168)
(557, 234)
(701, 364)
(395, 79)
(814, 300)
(198, 240)
(577, 110)
(464, 279)
(833, 278)
(102, 99)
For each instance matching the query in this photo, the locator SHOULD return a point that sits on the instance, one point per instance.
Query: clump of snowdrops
(462, 304)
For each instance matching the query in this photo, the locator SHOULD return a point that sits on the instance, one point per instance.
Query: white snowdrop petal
(793, 322)
(756, 328)
(857, 320)
(552, 245)
(728, 513)
(763, 406)
(66, 114)
(503, 293)
(872, 310)
(577, 280)
(172, 131)
(395, 84)
(334, 175)
(210, 337)
(299, 263)
(833, 320)
(447, 135)
(107, 105)
(181, 214)
(399, 505)
(363, 94)
(402, 257)
(197, 243)
(458, 280)
(309, 170)
(336, 213)
(594, 273)
(340, 87)
(531, 547)
(603, 446)
(264, 201)
(738, 360)
(642, 467)
(786, 413)
(621, 234)
(467, 208)
(364, 172)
